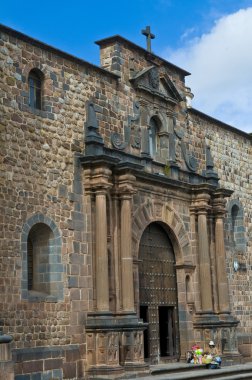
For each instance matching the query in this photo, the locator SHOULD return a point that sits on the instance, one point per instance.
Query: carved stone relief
(113, 348)
(190, 160)
(91, 125)
(182, 153)
(132, 132)
(153, 76)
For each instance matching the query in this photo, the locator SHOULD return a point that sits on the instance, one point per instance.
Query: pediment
(150, 80)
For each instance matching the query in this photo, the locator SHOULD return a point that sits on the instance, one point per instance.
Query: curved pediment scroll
(131, 131)
(190, 160)
(188, 157)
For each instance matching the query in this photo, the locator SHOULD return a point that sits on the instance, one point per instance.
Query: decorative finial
(149, 36)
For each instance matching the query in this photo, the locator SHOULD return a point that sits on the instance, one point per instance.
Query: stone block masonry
(108, 152)
(48, 363)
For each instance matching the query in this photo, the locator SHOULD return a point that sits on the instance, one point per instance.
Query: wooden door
(158, 294)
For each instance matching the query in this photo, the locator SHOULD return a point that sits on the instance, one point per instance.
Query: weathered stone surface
(97, 196)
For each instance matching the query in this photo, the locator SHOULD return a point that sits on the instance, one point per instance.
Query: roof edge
(118, 38)
(221, 123)
(52, 49)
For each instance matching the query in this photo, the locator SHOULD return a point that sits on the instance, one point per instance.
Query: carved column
(213, 260)
(204, 257)
(222, 283)
(126, 191)
(116, 250)
(100, 184)
(102, 284)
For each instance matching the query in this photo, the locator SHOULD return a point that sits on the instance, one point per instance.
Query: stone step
(182, 371)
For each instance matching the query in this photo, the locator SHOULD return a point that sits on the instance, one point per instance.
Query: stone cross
(149, 36)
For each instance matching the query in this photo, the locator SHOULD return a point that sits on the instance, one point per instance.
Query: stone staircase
(182, 371)
(187, 371)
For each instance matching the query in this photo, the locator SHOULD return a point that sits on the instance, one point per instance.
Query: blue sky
(183, 29)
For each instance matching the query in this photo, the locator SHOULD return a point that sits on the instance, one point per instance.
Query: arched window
(235, 226)
(35, 80)
(153, 137)
(42, 275)
(234, 221)
(38, 258)
(30, 263)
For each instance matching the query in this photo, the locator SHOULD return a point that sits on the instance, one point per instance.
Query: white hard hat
(211, 343)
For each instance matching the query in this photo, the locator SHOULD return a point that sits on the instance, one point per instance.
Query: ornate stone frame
(173, 224)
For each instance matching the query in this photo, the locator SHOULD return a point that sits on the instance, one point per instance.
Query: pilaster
(217, 325)
(102, 283)
(126, 191)
(101, 184)
(114, 333)
(202, 207)
(222, 284)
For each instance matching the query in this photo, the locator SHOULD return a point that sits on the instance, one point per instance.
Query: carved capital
(88, 177)
(170, 113)
(126, 184)
(101, 179)
(219, 202)
(143, 102)
(193, 209)
(219, 209)
(201, 203)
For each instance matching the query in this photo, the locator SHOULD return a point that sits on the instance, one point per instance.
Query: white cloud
(221, 66)
(187, 33)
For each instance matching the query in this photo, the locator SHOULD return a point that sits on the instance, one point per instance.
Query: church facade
(125, 215)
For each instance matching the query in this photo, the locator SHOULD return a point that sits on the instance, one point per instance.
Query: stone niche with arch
(235, 234)
(42, 268)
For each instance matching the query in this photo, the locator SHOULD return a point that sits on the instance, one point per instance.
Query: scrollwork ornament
(118, 142)
(190, 160)
(131, 131)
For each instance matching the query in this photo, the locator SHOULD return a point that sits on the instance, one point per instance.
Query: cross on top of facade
(149, 36)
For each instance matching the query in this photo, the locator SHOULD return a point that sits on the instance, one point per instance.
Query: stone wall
(40, 176)
(232, 155)
(231, 151)
(42, 181)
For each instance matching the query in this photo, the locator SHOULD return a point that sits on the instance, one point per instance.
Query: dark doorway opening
(167, 331)
(144, 317)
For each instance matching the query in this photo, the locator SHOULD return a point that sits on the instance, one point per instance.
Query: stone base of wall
(60, 362)
(6, 363)
(118, 373)
(114, 346)
(6, 370)
(105, 373)
(231, 359)
(245, 346)
(222, 330)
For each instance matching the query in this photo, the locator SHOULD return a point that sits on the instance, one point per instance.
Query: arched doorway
(158, 295)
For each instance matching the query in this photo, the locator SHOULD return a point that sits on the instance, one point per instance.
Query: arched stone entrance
(158, 294)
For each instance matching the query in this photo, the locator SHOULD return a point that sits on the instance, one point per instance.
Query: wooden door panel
(157, 290)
